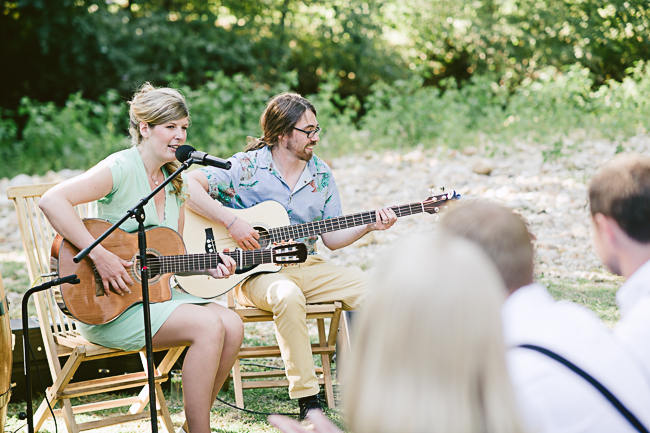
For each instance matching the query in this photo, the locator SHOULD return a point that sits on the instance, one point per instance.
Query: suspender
(618, 405)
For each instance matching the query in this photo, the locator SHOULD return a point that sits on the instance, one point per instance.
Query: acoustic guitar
(271, 221)
(166, 255)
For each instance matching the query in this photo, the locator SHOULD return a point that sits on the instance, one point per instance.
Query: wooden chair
(325, 347)
(61, 340)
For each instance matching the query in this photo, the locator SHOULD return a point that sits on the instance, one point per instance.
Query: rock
(470, 151)
(551, 196)
(483, 168)
(21, 179)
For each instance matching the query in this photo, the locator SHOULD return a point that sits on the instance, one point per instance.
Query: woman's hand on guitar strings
(385, 219)
(113, 271)
(225, 268)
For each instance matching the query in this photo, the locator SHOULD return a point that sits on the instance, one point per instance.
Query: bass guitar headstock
(289, 253)
(433, 203)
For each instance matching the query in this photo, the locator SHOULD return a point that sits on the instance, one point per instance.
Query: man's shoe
(308, 403)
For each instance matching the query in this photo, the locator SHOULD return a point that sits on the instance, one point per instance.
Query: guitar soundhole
(264, 240)
(153, 263)
(265, 237)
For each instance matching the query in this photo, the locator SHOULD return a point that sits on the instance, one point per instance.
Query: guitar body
(271, 220)
(262, 217)
(87, 301)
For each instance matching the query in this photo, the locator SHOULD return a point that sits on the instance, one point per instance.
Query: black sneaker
(308, 403)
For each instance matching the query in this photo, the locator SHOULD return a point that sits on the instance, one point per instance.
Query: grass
(222, 418)
(16, 282)
(599, 296)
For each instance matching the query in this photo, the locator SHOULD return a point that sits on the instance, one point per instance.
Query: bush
(544, 109)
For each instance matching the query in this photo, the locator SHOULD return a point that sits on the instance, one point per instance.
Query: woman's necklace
(154, 180)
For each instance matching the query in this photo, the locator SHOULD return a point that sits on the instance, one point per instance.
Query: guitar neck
(201, 262)
(315, 228)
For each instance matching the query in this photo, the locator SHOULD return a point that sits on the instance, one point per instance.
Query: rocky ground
(548, 187)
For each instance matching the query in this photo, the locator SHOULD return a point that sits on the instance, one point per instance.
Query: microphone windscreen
(183, 152)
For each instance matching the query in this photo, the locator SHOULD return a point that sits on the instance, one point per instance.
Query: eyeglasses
(310, 133)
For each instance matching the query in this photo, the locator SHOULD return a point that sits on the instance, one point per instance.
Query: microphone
(188, 153)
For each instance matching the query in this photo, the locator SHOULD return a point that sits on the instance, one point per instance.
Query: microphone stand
(138, 213)
(71, 279)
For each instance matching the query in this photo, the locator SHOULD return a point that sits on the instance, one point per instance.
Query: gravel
(548, 189)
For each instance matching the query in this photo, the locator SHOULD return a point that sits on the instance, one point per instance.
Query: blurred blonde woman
(159, 119)
(429, 355)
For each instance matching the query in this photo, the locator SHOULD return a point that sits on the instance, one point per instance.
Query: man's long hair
(280, 116)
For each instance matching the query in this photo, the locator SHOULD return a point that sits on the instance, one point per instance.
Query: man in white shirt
(552, 398)
(619, 201)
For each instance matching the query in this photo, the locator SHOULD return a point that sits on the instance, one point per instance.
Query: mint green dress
(130, 184)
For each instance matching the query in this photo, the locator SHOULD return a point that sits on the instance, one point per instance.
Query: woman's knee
(233, 326)
(209, 328)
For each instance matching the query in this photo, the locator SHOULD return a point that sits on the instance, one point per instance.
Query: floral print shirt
(253, 178)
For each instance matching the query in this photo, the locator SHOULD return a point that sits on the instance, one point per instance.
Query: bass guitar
(271, 221)
(166, 255)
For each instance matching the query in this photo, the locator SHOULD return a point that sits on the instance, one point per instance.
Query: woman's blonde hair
(155, 106)
(429, 353)
(280, 116)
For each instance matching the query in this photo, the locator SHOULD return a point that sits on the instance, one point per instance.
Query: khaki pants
(285, 294)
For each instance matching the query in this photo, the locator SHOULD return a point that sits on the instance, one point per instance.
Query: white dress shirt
(551, 397)
(633, 330)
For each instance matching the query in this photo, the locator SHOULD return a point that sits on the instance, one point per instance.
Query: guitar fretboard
(314, 228)
(200, 262)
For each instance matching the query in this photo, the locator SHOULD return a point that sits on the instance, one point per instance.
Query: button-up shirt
(254, 178)
(633, 330)
(552, 398)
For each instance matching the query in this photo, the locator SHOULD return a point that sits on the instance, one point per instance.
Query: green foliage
(545, 109)
(68, 137)
(515, 38)
(226, 110)
(90, 47)
(408, 113)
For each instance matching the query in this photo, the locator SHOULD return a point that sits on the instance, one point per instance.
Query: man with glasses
(281, 166)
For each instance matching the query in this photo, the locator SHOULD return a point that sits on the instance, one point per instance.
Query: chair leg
(163, 409)
(68, 416)
(43, 413)
(327, 368)
(163, 368)
(143, 395)
(237, 383)
(344, 335)
(62, 379)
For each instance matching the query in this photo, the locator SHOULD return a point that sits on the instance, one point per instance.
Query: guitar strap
(618, 405)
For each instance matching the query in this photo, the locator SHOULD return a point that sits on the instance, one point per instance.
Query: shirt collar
(635, 288)
(265, 160)
(518, 308)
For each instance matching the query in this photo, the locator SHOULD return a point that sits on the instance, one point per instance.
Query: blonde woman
(159, 119)
(429, 355)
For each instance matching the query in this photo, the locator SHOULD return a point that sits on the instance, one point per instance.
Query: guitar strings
(297, 231)
(188, 262)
